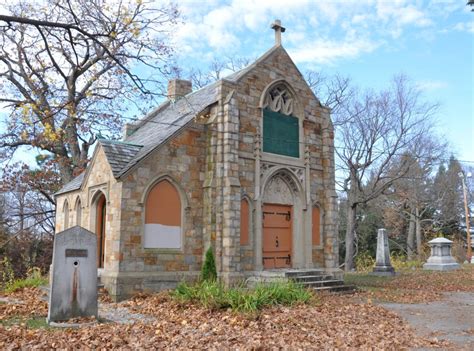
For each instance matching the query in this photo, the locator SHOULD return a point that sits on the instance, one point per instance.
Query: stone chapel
(244, 165)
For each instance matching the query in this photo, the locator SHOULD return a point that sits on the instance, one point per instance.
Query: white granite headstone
(382, 260)
(441, 259)
(73, 290)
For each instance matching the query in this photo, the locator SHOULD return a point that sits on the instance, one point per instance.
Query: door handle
(277, 243)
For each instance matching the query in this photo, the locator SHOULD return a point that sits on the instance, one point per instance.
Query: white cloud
(323, 30)
(325, 51)
(430, 85)
(464, 27)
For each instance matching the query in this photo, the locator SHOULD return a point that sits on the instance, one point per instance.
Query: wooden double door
(277, 236)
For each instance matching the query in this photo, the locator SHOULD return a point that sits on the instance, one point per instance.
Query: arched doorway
(100, 215)
(282, 223)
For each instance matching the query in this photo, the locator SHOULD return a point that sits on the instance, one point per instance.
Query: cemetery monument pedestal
(441, 259)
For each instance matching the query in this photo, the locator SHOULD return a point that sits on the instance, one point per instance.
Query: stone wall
(98, 179)
(214, 164)
(181, 161)
(316, 154)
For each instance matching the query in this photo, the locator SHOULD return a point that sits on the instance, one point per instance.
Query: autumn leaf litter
(333, 322)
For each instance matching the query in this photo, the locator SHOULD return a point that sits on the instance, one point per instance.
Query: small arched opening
(100, 212)
(66, 214)
(78, 211)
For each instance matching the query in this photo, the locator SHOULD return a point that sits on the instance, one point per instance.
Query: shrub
(8, 275)
(364, 262)
(213, 295)
(401, 263)
(209, 272)
(34, 279)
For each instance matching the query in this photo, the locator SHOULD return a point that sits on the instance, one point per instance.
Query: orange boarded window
(316, 226)
(244, 222)
(163, 217)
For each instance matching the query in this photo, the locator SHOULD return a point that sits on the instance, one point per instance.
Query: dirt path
(450, 319)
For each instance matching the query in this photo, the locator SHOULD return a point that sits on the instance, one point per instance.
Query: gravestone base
(385, 271)
(441, 266)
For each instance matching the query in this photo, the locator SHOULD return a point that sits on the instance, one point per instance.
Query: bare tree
(217, 70)
(334, 92)
(379, 129)
(68, 69)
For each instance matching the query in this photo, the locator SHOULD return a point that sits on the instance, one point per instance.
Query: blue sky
(371, 41)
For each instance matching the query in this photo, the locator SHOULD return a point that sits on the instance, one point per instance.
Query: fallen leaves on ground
(415, 286)
(400, 295)
(25, 302)
(335, 322)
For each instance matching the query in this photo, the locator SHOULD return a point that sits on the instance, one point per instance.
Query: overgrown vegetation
(33, 279)
(366, 262)
(213, 295)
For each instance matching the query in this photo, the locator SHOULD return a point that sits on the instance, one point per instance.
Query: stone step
(322, 283)
(312, 278)
(340, 289)
(309, 272)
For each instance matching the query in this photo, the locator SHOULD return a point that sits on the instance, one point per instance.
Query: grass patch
(33, 280)
(30, 323)
(214, 295)
(25, 283)
(366, 280)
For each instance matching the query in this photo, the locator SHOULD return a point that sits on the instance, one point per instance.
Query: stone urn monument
(441, 259)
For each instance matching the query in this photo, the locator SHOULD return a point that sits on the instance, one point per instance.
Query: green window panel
(280, 134)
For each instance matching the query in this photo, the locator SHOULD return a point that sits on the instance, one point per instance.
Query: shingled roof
(160, 124)
(157, 127)
(167, 119)
(74, 184)
(119, 154)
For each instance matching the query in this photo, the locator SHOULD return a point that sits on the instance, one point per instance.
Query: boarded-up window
(316, 226)
(244, 222)
(163, 217)
(66, 215)
(280, 134)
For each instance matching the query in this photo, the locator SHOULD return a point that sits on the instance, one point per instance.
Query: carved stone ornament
(297, 171)
(279, 99)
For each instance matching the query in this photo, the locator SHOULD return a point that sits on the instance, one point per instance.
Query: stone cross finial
(276, 26)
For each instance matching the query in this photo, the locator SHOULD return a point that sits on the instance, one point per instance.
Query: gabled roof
(74, 184)
(119, 153)
(167, 119)
(160, 124)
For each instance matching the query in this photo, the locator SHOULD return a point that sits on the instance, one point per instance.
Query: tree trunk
(411, 235)
(350, 237)
(419, 248)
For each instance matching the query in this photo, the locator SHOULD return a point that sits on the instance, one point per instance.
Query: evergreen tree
(209, 272)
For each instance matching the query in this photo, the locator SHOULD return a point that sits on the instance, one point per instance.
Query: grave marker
(441, 259)
(382, 260)
(73, 289)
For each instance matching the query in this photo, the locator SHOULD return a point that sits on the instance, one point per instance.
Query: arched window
(244, 222)
(66, 214)
(163, 217)
(280, 127)
(78, 211)
(316, 226)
